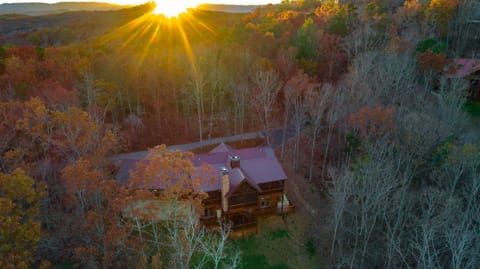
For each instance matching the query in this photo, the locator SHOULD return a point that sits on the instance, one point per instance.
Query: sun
(173, 8)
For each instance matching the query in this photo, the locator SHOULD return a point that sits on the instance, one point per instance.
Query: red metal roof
(257, 165)
(221, 148)
(465, 67)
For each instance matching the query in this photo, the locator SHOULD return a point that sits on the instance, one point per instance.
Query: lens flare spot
(173, 8)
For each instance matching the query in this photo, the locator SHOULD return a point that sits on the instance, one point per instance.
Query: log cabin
(249, 184)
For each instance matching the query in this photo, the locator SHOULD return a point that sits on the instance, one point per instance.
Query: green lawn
(276, 247)
(253, 257)
(473, 108)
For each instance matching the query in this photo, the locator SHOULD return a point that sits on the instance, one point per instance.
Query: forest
(382, 98)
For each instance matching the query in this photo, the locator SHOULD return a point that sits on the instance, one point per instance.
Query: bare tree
(216, 247)
(331, 119)
(184, 234)
(406, 199)
(241, 94)
(218, 82)
(195, 88)
(463, 29)
(267, 86)
(451, 98)
(188, 237)
(294, 91)
(176, 238)
(317, 100)
(364, 195)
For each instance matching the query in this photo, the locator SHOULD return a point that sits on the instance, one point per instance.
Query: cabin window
(265, 202)
(209, 212)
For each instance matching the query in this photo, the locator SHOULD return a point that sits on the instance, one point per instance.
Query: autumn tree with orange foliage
(172, 177)
(172, 174)
(432, 62)
(42, 141)
(432, 65)
(87, 215)
(117, 225)
(168, 222)
(36, 135)
(100, 236)
(45, 73)
(373, 121)
(441, 13)
(20, 225)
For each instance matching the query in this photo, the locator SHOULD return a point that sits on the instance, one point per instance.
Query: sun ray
(188, 50)
(149, 44)
(151, 34)
(129, 40)
(133, 26)
(195, 23)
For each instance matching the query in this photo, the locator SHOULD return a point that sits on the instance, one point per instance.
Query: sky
(194, 2)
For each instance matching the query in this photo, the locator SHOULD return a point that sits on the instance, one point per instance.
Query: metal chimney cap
(235, 158)
(224, 170)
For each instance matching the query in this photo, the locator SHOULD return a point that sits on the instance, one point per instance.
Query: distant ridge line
(39, 9)
(228, 8)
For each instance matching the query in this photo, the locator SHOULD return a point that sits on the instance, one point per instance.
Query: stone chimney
(234, 161)
(225, 187)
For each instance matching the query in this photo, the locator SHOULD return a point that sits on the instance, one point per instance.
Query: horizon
(139, 2)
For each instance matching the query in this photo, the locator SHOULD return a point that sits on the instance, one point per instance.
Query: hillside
(68, 27)
(64, 28)
(38, 9)
(228, 8)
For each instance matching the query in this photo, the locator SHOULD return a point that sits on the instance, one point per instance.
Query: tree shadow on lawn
(276, 247)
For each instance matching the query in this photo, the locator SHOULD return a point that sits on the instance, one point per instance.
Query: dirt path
(188, 147)
(276, 134)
